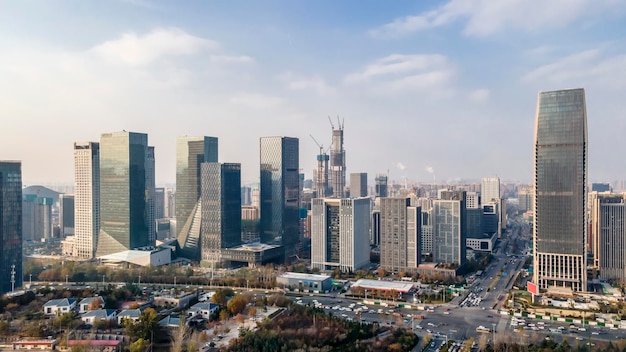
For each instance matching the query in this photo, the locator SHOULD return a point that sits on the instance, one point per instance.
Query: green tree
(146, 327)
(140, 345)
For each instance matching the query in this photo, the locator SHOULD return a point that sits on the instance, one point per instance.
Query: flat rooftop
(308, 277)
(399, 286)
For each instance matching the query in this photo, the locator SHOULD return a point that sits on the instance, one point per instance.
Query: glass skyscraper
(280, 195)
(125, 162)
(560, 191)
(191, 152)
(221, 209)
(10, 225)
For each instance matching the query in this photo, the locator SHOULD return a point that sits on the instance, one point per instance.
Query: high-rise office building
(337, 162)
(159, 203)
(191, 152)
(358, 185)
(221, 209)
(400, 226)
(490, 189)
(449, 231)
(29, 201)
(608, 226)
(525, 196)
(66, 214)
(560, 219)
(339, 233)
(10, 225)
(472, 200)
(150, 196)
(86, 198)
(375, 228)
(124, 199)
(43, 218)
(279, 192)
(381, 186)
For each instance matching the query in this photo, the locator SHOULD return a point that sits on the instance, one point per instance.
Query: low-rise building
(86, 303)
(97, 345)
(45, 345)
(204, 309)
(92, 316)
(305, 282)
(130, 314)
(56, 307)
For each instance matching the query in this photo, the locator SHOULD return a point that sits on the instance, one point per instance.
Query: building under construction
(337, 161)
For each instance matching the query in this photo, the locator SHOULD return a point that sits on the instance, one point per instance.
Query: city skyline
(415, 83)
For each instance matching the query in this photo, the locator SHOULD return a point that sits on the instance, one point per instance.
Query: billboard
(532, 288)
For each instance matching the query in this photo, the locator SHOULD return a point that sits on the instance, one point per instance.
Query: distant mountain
(41, 191)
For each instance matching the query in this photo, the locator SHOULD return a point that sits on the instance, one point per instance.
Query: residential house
(85, 304)
(170, 321)
(97, 345)
(132, 314)
(92, 316)
(205, 309)
(46, 345)
(57, 307)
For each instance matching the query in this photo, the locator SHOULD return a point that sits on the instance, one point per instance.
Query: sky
(427, 90)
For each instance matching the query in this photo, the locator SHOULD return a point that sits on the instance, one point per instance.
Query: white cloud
(134, 49)
(396, 64)
(486, 17)
(395, 73)
(229, 59)
(582, 69)
(479, 95)
(314, 83)
(255, 100)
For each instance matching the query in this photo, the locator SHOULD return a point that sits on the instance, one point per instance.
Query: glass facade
(191, 152)
(280, 195)
(221, 209)
(123, 196)
(560, 190)
(10, 225)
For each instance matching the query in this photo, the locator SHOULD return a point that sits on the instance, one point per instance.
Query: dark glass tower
(124, 180)
(10, 225)
(221, 209)
(191, 152)
(560, 191)
(280, 196)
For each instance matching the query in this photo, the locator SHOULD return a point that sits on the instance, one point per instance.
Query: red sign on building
(532, 288)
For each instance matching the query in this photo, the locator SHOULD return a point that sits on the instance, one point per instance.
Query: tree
(219, 297)
(237, 304)
(145, 327)
(95, 303)
(140, 345)
(252, 311)
(482, 342)
(179, 336)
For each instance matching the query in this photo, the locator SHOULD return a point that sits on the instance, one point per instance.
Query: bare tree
(482, 342)
(179, 336)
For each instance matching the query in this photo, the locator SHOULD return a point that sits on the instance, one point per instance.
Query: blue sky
(443, 90)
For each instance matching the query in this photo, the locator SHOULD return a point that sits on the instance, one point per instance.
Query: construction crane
(319, 145)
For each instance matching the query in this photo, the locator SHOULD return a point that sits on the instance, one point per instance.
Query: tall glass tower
(280, 192)
(10, 225)
(221, 209)
(560, 231)
(124, 193)
(191, 152)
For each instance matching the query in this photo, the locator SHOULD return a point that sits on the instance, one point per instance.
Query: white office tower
(490, 189)
(340, 233)
(86, 198)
